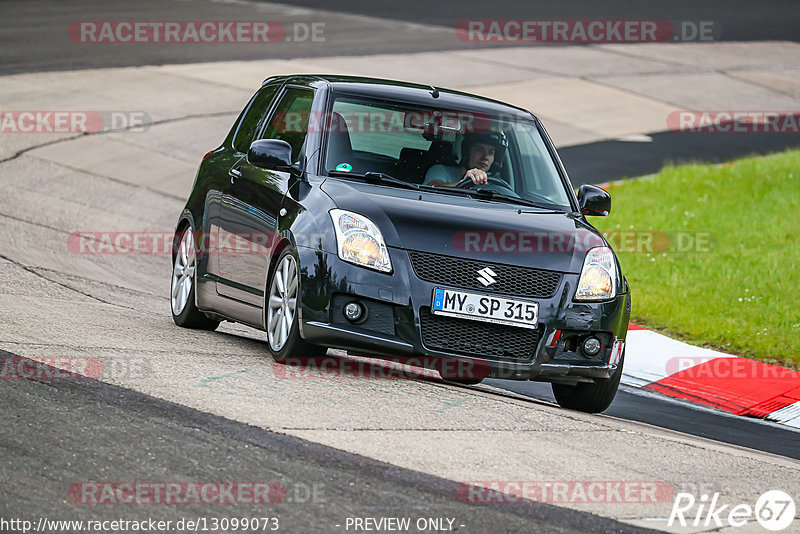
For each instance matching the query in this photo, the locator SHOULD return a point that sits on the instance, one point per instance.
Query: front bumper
(398, 307)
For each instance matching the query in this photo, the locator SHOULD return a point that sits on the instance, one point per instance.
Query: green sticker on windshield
(344, 167)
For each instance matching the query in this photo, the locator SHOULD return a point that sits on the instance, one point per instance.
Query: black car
(404, 221)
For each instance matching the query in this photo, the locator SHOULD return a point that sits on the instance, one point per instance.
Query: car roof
(406, 92)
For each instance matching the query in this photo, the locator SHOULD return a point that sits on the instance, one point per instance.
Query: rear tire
(590, 398)
(184, 311)
(280, 314)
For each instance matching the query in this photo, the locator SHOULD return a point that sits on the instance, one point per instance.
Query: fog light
(353, 311)
(591, 346)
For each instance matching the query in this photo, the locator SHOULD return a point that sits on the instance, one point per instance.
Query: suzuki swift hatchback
(404, 221)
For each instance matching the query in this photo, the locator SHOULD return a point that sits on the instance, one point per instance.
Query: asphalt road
(34, 33)
(34, 37)
(604, 161)
(58, 433)
(633, 404)
(66, 431)
(738, 20)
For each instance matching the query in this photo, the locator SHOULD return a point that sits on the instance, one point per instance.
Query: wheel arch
(184, 220)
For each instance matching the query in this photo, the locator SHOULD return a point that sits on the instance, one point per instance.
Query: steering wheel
(467, 183)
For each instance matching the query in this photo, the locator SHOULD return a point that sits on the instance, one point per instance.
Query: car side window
(253, 117)
(544, 180)
(289, 122)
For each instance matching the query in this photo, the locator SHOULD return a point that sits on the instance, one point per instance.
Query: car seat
(410, 165)
(440, 152)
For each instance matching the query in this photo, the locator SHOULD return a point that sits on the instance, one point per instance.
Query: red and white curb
(737, 385)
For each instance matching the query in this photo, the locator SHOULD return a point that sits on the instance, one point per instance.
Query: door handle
(234, 174)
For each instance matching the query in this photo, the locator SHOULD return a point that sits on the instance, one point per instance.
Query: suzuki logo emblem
(486, 276)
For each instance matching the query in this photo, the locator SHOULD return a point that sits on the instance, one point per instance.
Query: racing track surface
(739, 21)
(33, 37)
(633, 404)
(113, 307)
(64, 430)
(177, 405)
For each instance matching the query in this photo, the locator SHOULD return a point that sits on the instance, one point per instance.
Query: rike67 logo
(774, 510)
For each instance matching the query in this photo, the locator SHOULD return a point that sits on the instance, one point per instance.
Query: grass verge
(712, 253)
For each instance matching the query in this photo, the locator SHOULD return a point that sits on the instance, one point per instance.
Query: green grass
(740, 295)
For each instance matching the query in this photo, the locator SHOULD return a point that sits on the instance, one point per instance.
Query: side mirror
(594, 201)
(270, 154)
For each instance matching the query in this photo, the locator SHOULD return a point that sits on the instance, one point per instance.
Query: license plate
(487, 308)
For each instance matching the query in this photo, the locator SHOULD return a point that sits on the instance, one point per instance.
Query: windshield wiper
(489, 194)
(494, 195)
(378, 178)
(383, 178)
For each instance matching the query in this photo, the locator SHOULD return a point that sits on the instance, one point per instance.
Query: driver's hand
(477, 176)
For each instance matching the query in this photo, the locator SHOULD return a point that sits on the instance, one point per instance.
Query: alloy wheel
(282, 303)
(183, 273)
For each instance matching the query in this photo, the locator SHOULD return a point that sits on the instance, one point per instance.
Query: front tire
(590, 398)
(281, 317)
(184, 311)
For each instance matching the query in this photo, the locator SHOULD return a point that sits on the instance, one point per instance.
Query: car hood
(466, 227)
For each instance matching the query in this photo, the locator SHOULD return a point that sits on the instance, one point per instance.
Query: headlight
(598, 276)
(359, 241)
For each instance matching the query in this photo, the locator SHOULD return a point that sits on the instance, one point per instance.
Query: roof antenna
(434, 92)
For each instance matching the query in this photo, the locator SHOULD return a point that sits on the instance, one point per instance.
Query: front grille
(476, 338)
(461, 272)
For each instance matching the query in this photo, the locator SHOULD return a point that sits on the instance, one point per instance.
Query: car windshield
(436, 147)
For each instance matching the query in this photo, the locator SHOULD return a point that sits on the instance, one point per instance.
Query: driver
(478, 154)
